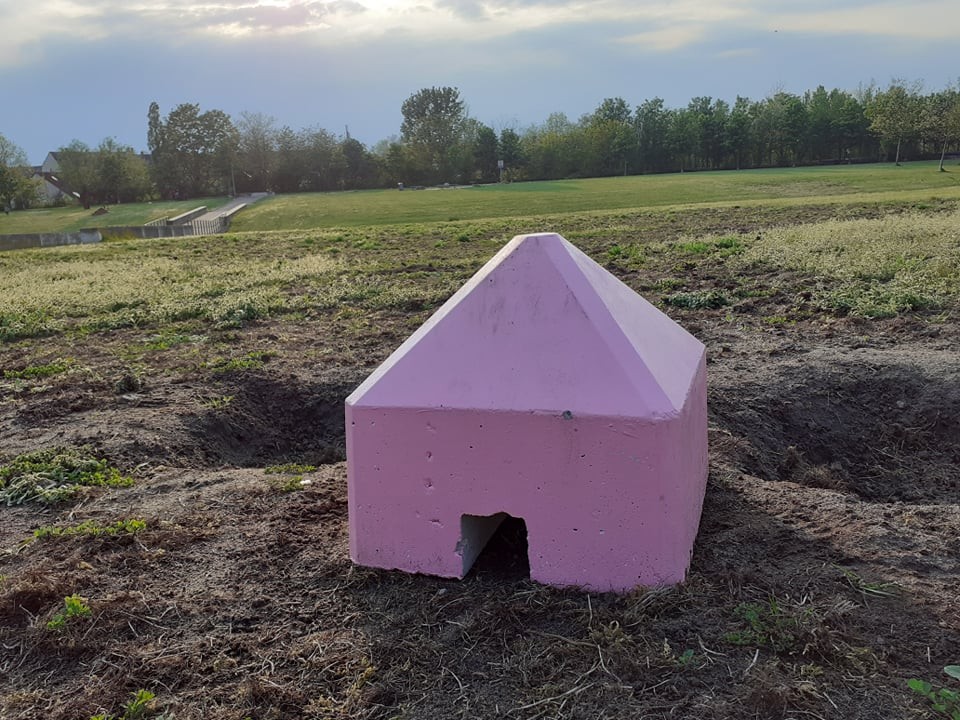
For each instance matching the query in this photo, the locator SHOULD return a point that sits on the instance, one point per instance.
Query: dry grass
(885, 266)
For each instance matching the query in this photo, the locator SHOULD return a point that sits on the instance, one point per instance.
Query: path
(247, 199)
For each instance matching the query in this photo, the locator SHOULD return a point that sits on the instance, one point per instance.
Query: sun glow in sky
(88, 69)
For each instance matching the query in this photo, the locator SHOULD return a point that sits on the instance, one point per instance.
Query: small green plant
(729, 245)
(36, 372)
(75, 607)
(250, 361)
(875, 589)
(771, 625)
(140, 706)
(165, 341)
(686, 658)
(295, 481)
(627, 257)
(55, 475)
(697, 247)
(664, 284)
(217, 403)
(289, 468)
(709, 299)
(92, 529)
(944, 701)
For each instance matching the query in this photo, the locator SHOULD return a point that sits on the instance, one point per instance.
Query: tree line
(195, 153)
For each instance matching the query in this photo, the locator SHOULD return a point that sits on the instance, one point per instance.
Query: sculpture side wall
(609, 503)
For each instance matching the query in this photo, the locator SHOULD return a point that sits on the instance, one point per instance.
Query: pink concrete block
(546, 389)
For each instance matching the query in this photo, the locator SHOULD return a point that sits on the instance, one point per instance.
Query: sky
(88, 69)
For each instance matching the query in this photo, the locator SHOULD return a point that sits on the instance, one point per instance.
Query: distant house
(52, 189)
(51, 164)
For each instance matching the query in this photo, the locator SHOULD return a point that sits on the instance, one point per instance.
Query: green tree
(787, 119)
(290, 172)
(683, 136)
(79, 171)
(257, 152)
(432, 127)
(17, 188)
(120, 175)
(652, 120)
(611, 137)
(361, 169)
(486, 153)
(895, 115)
(940, 120)
(193, 151)
(511, 152)
(738, 131)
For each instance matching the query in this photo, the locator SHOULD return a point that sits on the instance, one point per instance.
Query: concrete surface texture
(548, 390)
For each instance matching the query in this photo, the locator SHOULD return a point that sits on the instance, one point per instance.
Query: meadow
(789, 186)
(73, 217)
(843, 184)
(174, 540)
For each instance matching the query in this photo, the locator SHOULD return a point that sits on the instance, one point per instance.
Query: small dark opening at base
(505, 555)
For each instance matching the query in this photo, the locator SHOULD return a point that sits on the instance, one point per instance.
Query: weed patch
(943, 701)
(55, 475)
(36, 372)
(626, 257)
(700, 300)
(141, 706)
(886, 267)
(250, 361)
(91, 528)
(75, 608)
(291, 476)
(792, 630)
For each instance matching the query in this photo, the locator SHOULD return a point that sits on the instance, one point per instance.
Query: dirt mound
(884, 425)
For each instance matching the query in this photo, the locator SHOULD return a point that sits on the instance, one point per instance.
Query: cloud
(296, 17)
(667, 38)
(737, 53)
(30, 27)
(920, 19)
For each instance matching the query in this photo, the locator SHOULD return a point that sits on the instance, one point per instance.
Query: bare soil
(825, 572)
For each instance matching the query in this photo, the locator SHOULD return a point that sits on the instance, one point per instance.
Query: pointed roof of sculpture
(541, 328)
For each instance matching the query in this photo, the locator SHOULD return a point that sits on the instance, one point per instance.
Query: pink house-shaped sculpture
(548, 390)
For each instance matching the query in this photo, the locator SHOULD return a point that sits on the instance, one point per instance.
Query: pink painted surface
(547, 389)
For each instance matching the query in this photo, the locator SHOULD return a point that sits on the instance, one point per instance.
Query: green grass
(91, 528)
(838, 184)
(74, 217)
(37, 372)
(178, 289)
(54, 475)
(885, 266)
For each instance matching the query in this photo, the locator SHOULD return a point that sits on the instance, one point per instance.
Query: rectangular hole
(495, 544)
(475, 533)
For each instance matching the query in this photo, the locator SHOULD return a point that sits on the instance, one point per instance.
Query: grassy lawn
(788, 186)
(883, 265)
(74, 217)
(856, 183)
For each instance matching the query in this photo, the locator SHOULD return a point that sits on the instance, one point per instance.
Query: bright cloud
(653, 24)
(671, 37)
(919, 19)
